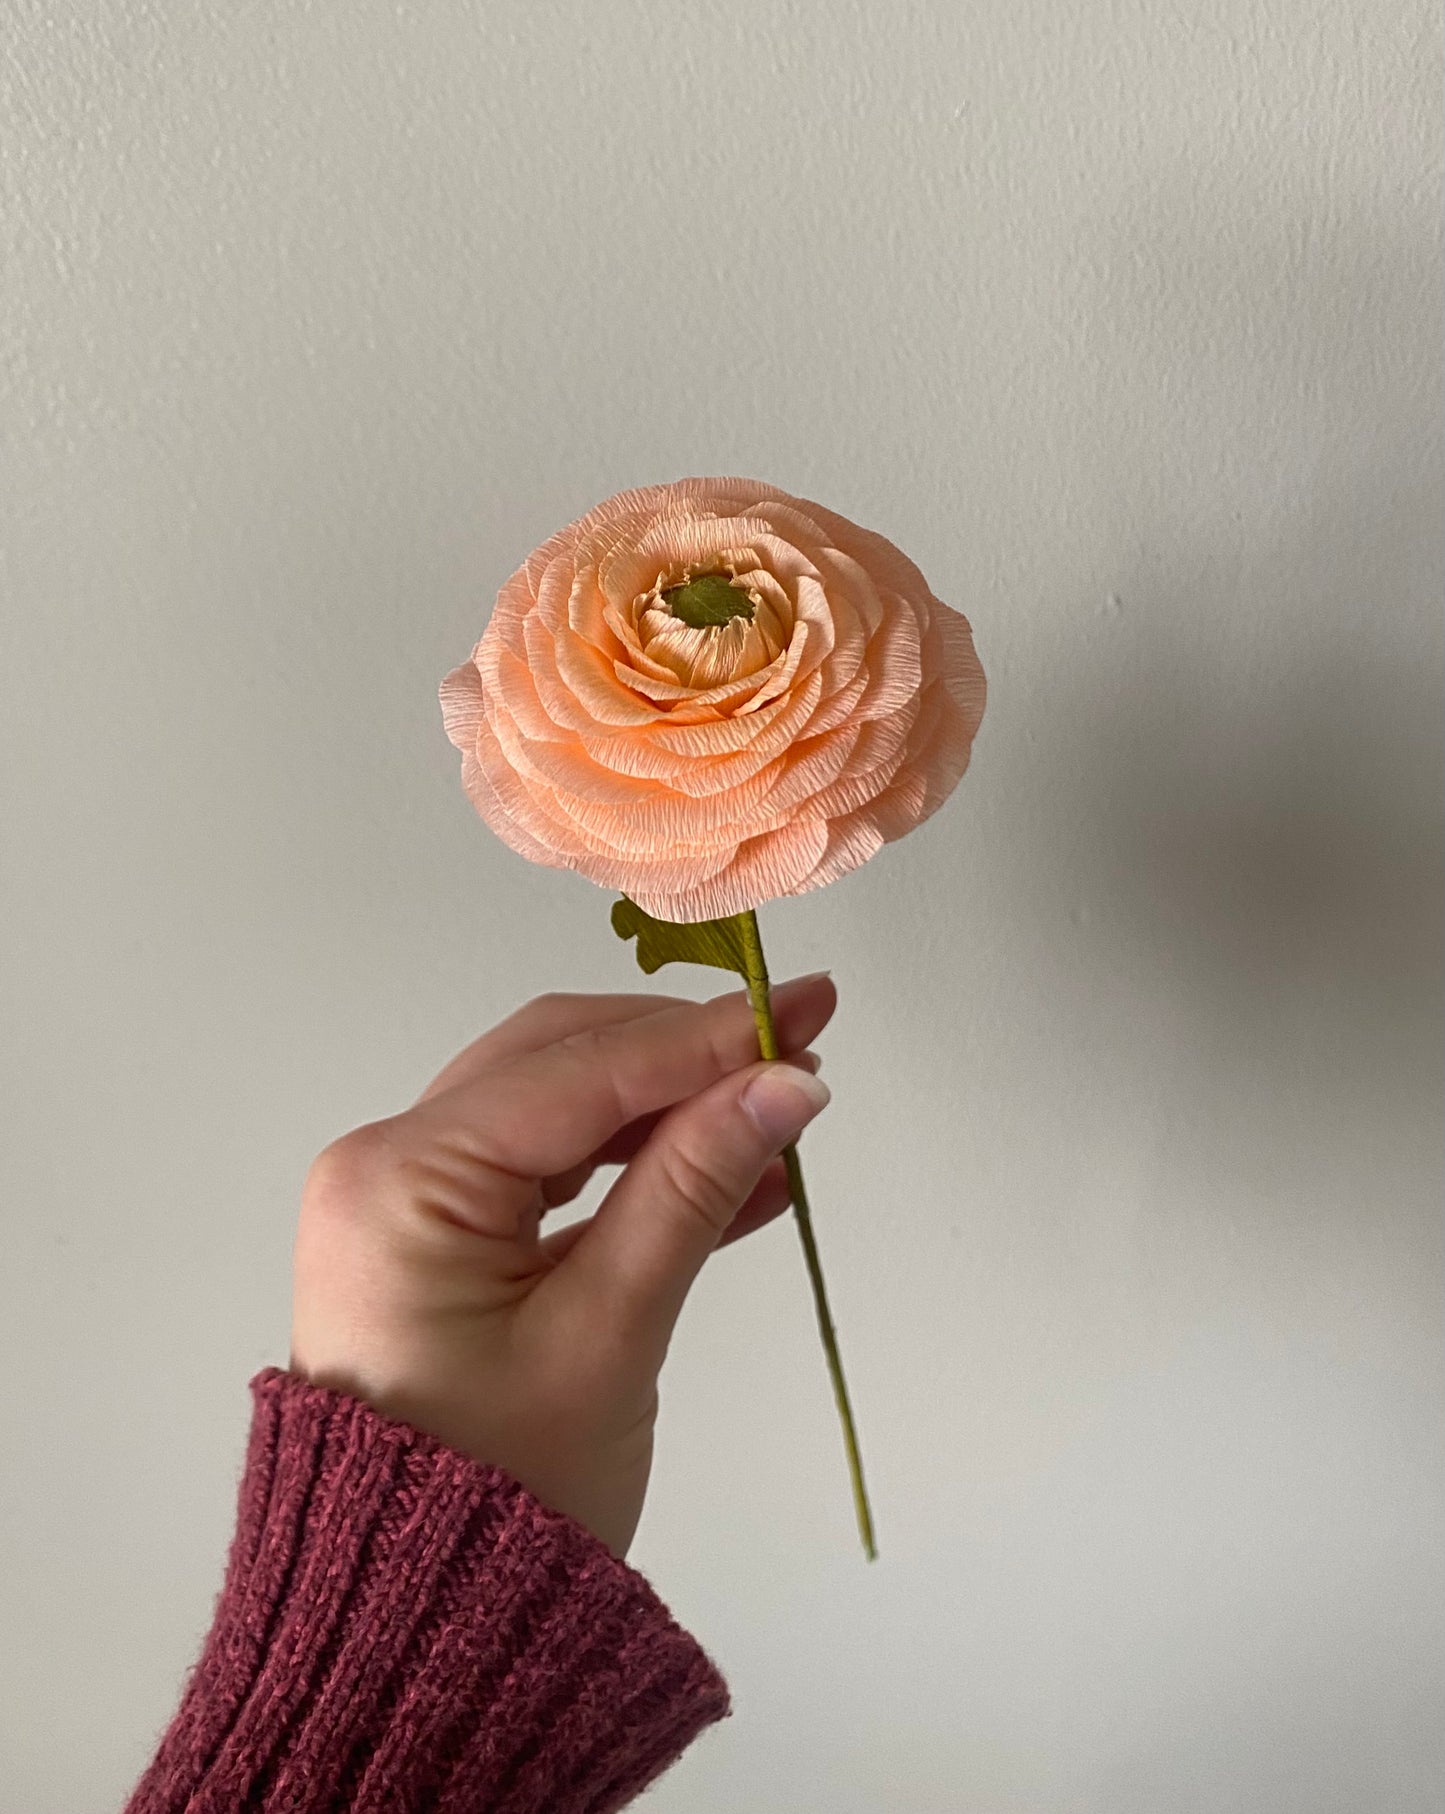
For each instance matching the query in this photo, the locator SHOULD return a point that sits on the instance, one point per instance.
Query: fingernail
(801, 982)
(783, 1100)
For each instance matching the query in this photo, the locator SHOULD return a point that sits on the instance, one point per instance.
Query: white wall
(1122, 318)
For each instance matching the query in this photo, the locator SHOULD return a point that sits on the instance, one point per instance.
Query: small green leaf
(707, 601)
(659, 942)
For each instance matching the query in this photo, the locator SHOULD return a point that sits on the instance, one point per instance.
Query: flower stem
(759, 996)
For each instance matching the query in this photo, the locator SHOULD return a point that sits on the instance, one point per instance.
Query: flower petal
(705, 769)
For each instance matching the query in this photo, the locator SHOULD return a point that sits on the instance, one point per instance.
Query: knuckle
(344, 1172)
(593, 1050)
(585, 1044)
(728, 1044)
(699, 1187)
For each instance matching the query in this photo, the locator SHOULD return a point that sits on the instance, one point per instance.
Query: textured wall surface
(1122, 318)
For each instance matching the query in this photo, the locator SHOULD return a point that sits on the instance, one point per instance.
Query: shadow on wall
(1239, 761)
(1270, 850)
(1243, 748)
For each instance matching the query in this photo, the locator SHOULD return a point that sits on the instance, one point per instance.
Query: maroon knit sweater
(403, 1628)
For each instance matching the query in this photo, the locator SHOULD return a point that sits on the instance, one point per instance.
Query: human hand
(423, 1282)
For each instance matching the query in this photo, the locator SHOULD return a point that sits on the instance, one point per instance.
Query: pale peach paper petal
(543, 822)
(507, 826)
(699, 776)
(783, 674)
(513, 681)
(461, 697)
(763, 869)
(851, 841)
(606, 702)
(669, 691)
(840, 708)
(565, 768)
(881, 752)
(706, 770)
(773, 724)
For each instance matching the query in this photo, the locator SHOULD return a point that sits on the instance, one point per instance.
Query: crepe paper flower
(708, 695)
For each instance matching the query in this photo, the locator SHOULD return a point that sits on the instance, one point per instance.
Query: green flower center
(707, 601)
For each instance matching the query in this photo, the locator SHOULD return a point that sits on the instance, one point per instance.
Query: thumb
(670, 1208)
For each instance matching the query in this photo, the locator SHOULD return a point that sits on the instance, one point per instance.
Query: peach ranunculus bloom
(711, 693)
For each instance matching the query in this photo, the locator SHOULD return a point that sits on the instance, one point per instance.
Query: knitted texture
(402, 1627)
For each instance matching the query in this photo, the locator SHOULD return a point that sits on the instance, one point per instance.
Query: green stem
(759, 996)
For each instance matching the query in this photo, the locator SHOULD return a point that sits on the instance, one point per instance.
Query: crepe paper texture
(615, 720)
(708, 695)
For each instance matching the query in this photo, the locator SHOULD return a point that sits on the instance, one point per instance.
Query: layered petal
(705, 768)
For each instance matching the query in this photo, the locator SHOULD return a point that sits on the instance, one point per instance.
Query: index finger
(543, 1111)
(540, 1022)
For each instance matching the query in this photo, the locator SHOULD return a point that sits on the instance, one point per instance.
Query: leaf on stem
(659, 942)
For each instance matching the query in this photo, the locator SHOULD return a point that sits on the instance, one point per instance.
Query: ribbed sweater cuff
(403, 1627)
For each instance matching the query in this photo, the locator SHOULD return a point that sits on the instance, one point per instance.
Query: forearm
(403, 1626)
